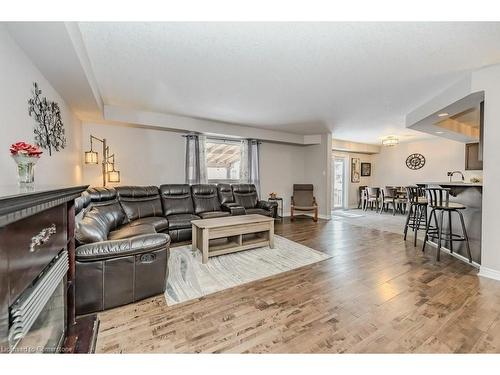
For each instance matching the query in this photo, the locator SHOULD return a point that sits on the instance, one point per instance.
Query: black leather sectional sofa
(123, 235)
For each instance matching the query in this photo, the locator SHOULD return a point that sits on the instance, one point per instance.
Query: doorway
(339, 191)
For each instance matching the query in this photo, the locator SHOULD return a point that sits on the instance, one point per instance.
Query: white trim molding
(490, 273)
(455, 254)
(173, 122)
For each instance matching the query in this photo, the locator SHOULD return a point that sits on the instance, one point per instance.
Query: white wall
(353, 187)
(317, 171)
(17, 74)
(441, 155)
(155, 157)
(143, 156)
(488, 79)
(281, 166)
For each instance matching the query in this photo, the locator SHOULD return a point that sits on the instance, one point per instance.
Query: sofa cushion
(180, 221)
(258, 211)
(176, 199)
(117, 248)
(212, 214)
(139, 201)
(98, 222)
(82, 202)
(205, 198)
(101, 194)
(178, 235)
(245, 195)
(128, 231)
(225, 193)
(158, 222)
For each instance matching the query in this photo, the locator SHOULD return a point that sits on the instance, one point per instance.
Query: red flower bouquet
(25, 149)
(25, 156)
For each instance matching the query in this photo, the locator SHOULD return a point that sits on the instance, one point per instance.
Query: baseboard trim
(489, 273)
(458, 256)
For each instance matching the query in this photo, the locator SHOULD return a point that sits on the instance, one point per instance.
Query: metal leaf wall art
(49, 130)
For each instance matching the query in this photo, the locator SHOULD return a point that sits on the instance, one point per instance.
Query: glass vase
(25, 168)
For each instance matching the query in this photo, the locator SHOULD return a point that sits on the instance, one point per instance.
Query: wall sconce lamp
(109, 174)
(114, 176)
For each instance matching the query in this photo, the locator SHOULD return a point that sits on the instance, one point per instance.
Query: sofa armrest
(269, 206)
(233, 208)
(266, 205)
(119, 248)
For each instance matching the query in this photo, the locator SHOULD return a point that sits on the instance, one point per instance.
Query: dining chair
(361, 196)
(372, 198)
(388, 196)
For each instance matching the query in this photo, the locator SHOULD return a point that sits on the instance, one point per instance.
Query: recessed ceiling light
(443, 114)
(439, 132)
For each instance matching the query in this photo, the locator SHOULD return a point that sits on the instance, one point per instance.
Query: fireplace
(37, 319)
(37, 272)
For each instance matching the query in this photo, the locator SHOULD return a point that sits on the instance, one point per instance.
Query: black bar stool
(417, 212)
(439, 200)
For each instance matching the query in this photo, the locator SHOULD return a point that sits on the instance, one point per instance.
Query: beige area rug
(189, 279)
(385, 222)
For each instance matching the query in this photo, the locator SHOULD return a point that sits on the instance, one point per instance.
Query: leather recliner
(116, 264)
(142, 205)
(226, 199)
(246, 196)
(206, 202)
(179, 210)
(121, 257)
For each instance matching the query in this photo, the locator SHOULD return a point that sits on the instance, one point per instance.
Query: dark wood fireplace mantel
(24, 214)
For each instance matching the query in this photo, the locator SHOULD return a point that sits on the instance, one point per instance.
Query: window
(223, 160)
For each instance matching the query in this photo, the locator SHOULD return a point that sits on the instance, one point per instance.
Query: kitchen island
(470, 195)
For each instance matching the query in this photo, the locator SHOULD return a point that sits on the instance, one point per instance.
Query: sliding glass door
(339, 166)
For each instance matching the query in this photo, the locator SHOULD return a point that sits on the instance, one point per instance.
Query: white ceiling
(357, 79)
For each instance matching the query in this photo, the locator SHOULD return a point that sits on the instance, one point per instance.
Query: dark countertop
(453, 183)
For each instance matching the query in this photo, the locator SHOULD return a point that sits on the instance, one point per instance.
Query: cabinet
(472, 154)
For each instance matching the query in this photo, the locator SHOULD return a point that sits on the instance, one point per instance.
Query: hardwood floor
(376, 294)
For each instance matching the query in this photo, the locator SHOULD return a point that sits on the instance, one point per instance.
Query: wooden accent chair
(303, 200)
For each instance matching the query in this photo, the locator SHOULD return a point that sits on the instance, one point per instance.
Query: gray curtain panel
(196, 168)
(253, 164)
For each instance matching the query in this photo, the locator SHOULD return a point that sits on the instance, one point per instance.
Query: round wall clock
(415, 161)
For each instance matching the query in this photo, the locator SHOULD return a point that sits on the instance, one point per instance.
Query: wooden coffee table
(224, 235)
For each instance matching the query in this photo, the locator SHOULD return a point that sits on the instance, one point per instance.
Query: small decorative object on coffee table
(25, 155)
(224, 235)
